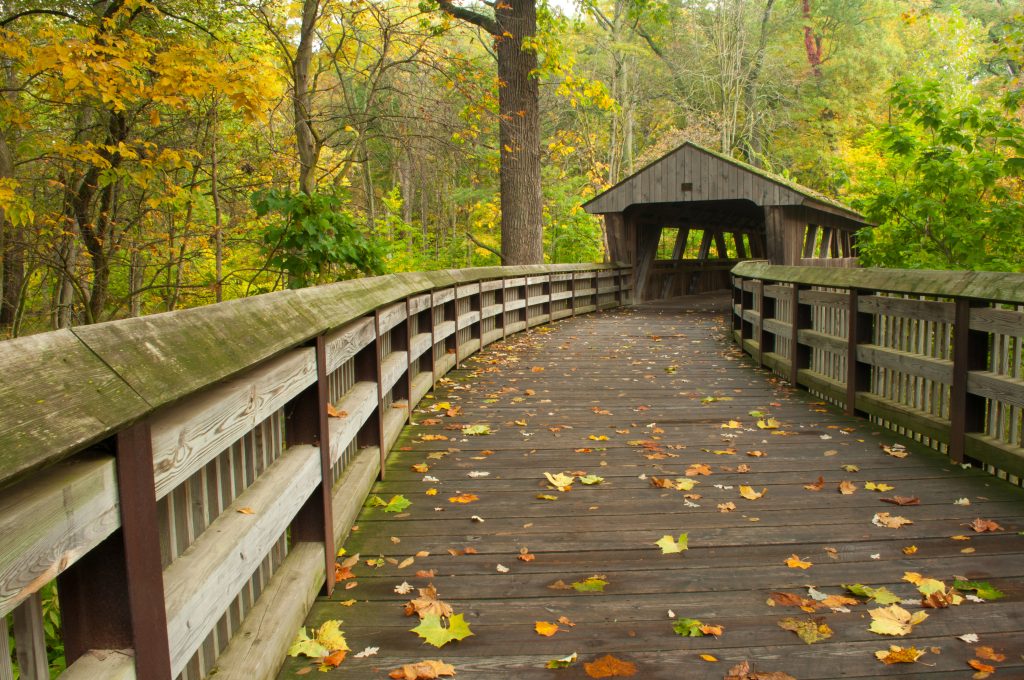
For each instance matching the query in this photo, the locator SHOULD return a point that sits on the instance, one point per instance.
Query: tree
(513, 26)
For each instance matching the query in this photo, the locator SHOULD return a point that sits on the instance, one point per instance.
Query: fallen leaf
(431, 492)
(709, 658)
(902, 500)
(421, 467)
(847, 487)
(438, 632)
(327, 640)
(476, 429)
(732, 425)
(984, 590)
(428, 604)
(969, 638)
(989, 654)
(741, 671)
(728, 506)
(560, 481)
(422, 670)
(768, 424)
(756, 454)
(525, 555)
(749, 493)
(367, 652)
(403, 588)
(880, 595)
(983, 525)
(501, 569)
(884, 519)
(697, 469)
(608, 666)
(896, 654)
(670, 545)
(896, 450)
(592, 584)
(464, 498)
(794, 562)
(598, 437)
(334, 412)
(816, 486)
(808, 630)
(546, 628)
(434, 438)
(851, 468)
(909, 550)
(894, 620)
(981, 666)
(590, 480)
(871, 486)
(564, 662)
(246, 511)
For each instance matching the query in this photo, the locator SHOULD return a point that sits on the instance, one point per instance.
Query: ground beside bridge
(648, 396)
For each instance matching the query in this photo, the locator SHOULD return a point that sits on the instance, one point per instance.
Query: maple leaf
(688, 628)
(327, 640)
(593, 584)
(427, 604)
(749, 493)
(794, 562)
(896, 450)
(697, 469)
(441, 406)
(546, 628)
(560, 481)
(367, 652)
(902, 500)
(768, 424)
(816, 486)
(851, 468)
(464, 498)
(439, 631)
(909, 550)
(894, 620)
(598, 437)
(896, 654)
(421, 467)
(728, 506)
(880, 595)
(608, 666)
(983, 589)
(434, 438)
(983, 525)
(546, 497)
(808, 630)
(333, 412)
(564, 662)
(422, 670)
(398, 503)
(884, 519)
(871, 486)
(984, 669)
(732, 425)
(590, 480)
(476, 429)
(669, 545)
(989, 654)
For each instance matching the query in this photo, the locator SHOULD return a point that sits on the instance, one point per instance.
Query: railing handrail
(976, 285)
(65, 390)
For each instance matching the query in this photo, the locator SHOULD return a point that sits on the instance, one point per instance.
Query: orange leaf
(698, 469)
(794, 562)
(982, 525)
(334, 659)
(247, 511)
(608, 666)
(335, 413)
(709, 658)
(545, 628)
(420, 467)
(816, 486)
(847, 487)
(464, 498)
(979, 666)
(989, 654)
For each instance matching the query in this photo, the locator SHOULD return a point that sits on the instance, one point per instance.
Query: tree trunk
(812, 42)
(522, 231)
(302, 99)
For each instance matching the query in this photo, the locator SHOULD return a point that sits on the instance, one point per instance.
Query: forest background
(160, 154)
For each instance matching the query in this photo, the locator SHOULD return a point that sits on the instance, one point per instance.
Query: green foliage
(315, 240)
(948, 194)
(51, 630)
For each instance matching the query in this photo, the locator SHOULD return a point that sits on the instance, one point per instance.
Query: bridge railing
(180, 477)
(937, 356)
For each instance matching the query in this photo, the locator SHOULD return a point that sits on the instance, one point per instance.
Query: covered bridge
(687, 218)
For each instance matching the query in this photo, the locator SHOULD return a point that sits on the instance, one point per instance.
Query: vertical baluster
(800, 319)
(970, 353)
(6, 669)
(30, 639)
(860, 330)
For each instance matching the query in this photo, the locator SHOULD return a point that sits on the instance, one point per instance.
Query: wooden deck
(640, 377)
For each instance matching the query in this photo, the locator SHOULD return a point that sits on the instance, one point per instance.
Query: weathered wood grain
(347, 341)
(939, 370)
(357, 404)
(925, 310)
(188, 435)
(392, 369)
(56, 397)
(109, 664)
(30, 639)
(50, 521)
(203, 581)
(997, 321)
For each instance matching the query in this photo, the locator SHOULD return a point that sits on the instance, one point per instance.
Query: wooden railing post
(970, 353)
(801, 319)
(113, 597)
(29, 639)
(306, 423)
(737, 299)
(572, 289)
(433, 343)
(860, 331)
(746, 327)
(408, 358)
(378, 347)
(765, 339)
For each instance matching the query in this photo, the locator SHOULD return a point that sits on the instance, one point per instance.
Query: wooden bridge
(182, 480)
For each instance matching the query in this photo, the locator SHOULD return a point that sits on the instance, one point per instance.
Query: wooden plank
(443, 330)
(48, 522)
(57, 397)
(202, 582)
(6, 668)
(821, 298)
(347, 341)
(1002, 388)
(256, 649)
(420, 344)
(469, 318)
(938, 370)
(188, 435)
(391, 315)
(779, 328)
(997, 321)
(358, 404)
(925, 310)
(110, 664)
(392, 369)
(991, 451)
(829, 343)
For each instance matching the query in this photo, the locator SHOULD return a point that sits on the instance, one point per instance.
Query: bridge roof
(694, 173)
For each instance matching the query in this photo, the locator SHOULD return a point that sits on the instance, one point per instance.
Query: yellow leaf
(871, 486)
(794, 562)
(732, 425)
(464, 498)
(896, 654)
(894, 620)
(431, 492)
(545, 628)
(768, 424)
(708, 657)
(749, 493)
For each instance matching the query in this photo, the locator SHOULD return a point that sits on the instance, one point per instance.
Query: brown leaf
(608, 666)
(816, 486)
(427, 603)
(988, 654)
(847, 487)
(697, 469)
(422, 670)
(741, 671)
(983, 525)
(902, 500)
(525, 555)
(464, 498)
